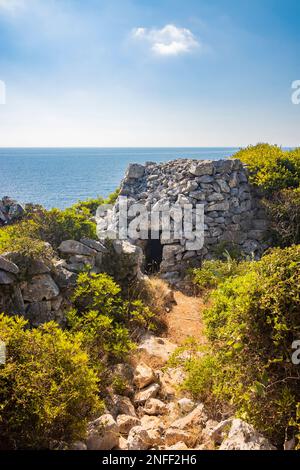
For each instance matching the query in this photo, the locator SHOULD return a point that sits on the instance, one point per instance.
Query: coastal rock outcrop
(10, 211)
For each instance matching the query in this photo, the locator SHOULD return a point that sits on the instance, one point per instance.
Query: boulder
(153, 406)
(143, 375)
(8, 266)
(123, 444)
(173, 412)
(135, 171)
(186, 405)
(6, 278)
(196, 418)
(225, 188)
(170, 251)
(143, 395)
(169, 380)
(154, 427)
(126, 422)
(242, 436)
(94, 245)
(173, 436)
(123, 405)
(125, 248)
(73, 247)
(15, 211)
(126, 260)
(153, 347)
(63, 278)
(103, 433)
(16, 303)
(41, 287)
(35, 267)
(214, 432)
(204, 167)
(152, 422)
(82, 260)
(138, 439)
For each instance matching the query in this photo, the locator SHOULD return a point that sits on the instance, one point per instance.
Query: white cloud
(168, 41)
(11, 5)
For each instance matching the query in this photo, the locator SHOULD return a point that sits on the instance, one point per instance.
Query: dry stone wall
(232, 207)
(41, 290)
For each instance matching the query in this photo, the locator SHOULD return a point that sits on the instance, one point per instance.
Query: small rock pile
(154, 417)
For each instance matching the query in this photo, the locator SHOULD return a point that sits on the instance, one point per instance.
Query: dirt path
(185, 319)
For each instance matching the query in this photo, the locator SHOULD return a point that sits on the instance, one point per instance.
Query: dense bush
(251, 325)
(272, 168)
(56, 225)
(21, 238)
(278, 173)
(48, 391)
(283, 209)
(106, 319)
(214, 272)
(89, 206)
(51, 226)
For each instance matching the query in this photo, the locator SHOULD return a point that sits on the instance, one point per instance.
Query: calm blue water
(59, 177)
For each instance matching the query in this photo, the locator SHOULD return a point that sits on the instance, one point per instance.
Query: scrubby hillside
(100, 357)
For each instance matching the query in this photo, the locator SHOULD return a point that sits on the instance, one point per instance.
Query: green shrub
(272, 168)
(106, 319)
(89, 206)
(21, 237)
(48, 391)
(251, 325)
(284, 213)
(52, 227)
(224, 250)
(55, 226)
(214, 272)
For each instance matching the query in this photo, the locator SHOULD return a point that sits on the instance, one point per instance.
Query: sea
(59, 177)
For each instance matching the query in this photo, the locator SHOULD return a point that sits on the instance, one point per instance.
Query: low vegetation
(251, 325)
(109, 322)
(272, 168)
(214, 272)
(48, 388)
(40, 226)
(277, 173)
(53, 378)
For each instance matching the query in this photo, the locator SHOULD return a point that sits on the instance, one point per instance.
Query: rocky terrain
(153, 414)
(40, 290)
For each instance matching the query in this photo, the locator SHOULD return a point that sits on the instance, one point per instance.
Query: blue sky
(149, 72)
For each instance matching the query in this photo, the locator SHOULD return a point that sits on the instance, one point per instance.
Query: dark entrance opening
(153, 256)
